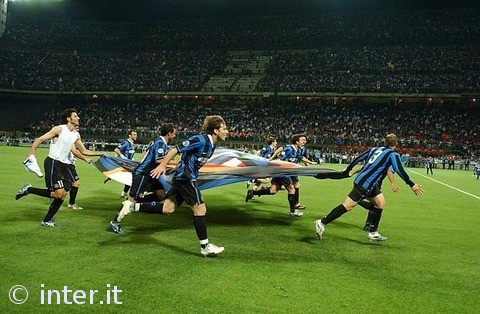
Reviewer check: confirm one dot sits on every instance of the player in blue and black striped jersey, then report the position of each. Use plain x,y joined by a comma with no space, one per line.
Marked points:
146,192
366,185
288,153
265,152
369,206
302,156
195,153
126,150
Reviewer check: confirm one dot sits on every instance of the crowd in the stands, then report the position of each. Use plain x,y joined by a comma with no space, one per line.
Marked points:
418,52
419,126
366,52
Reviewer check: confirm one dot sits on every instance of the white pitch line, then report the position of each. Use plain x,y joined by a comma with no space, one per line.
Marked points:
452,187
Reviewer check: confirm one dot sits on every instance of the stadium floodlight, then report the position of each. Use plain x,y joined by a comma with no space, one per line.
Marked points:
35,1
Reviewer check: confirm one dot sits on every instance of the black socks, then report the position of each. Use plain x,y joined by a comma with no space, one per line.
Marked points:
151,208
375,216
291,202
334,214
54,207
200,227
39,192
262,191
73,195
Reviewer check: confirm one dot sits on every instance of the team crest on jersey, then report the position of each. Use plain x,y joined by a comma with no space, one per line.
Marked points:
202,159
185,143
160,151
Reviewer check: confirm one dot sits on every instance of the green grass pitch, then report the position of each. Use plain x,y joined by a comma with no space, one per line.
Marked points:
272,263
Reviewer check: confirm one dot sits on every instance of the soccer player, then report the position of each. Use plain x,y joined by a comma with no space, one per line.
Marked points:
265,152
74,178
57,178
302,156
126,150
378,160
288,153
146,192
195,153
369,204
72,173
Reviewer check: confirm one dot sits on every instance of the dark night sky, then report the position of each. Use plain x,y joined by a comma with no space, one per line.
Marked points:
155,10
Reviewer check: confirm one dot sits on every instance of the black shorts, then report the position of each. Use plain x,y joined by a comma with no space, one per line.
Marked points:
358,193
56,175
185,191
282,181
294,179
72,173
143,183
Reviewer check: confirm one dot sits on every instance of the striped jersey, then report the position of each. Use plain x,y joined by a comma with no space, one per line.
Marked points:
378,160
302,152
155,152
127,148
267,151
290,154
195,153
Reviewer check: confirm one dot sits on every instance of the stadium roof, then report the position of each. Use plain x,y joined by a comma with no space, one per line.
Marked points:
154,10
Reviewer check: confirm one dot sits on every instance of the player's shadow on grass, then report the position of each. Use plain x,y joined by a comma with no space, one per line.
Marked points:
227,213
361,239
141,238
254,217
33,216
145,229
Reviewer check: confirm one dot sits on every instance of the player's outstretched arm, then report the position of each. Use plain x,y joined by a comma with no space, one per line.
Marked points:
79,155
276,153
417,189
161,168
391,178
49,135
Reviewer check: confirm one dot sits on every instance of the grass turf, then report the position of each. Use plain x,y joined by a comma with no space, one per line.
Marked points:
272,262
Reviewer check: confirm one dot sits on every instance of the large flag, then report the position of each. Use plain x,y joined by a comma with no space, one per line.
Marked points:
226,166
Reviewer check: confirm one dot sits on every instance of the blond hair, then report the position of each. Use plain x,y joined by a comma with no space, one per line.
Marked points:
391,140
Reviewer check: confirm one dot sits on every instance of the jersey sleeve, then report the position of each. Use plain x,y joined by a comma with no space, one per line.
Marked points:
160,150
359,158
263,152
398,168
122,147
193,144
286,153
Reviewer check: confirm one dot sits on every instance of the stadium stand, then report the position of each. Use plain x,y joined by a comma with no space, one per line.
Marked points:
320,57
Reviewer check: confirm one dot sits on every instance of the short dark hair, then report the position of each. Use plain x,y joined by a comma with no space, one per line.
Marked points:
271,140
212,123
130,131
67,113
296,137
167,128
391,140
